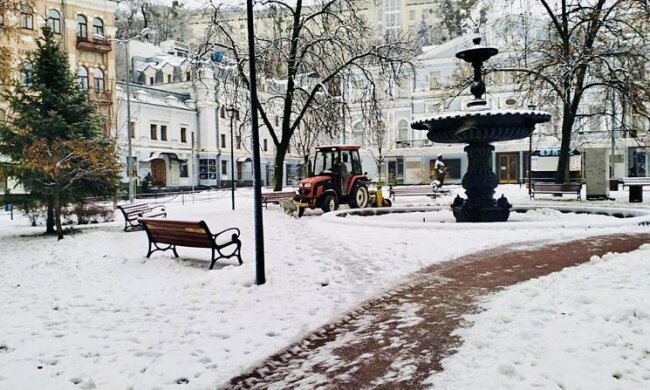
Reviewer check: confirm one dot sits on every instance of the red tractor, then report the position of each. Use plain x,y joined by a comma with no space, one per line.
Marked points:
335,177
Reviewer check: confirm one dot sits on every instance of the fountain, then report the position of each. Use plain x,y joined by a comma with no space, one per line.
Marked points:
478,126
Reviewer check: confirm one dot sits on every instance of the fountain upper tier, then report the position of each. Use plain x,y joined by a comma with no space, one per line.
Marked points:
481,126
480,123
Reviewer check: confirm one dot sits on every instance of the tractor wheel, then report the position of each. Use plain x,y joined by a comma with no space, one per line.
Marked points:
301,211
329,203
359,197
387,203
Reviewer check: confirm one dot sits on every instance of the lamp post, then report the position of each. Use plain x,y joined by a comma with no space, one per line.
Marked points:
260,277
531,107
232,110
127,62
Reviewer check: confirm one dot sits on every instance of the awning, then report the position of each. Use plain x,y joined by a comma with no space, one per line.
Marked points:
153,156
157,155
244,159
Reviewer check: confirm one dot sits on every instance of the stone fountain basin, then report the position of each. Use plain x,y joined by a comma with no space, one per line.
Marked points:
480,125
611,217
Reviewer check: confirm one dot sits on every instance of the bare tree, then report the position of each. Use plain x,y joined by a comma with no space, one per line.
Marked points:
582,52
308,48
167,21
376,135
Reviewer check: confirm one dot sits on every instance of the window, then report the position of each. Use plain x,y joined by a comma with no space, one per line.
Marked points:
434,79
224,167
403,131
98,76
594,118
153,131
132,129
392,17
183,134
151,80
238,142
412,15
182,168
98,26
163,133
2,19
188,76
54,21
3,115
26,17
265,146
82,26
82,77
26,74
223,140
223,112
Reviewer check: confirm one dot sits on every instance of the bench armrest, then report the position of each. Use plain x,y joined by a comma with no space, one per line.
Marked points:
234,235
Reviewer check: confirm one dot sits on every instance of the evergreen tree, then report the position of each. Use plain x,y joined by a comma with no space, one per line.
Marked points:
47,109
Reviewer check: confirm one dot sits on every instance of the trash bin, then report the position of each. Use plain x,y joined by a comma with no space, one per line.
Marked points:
636,194
613,185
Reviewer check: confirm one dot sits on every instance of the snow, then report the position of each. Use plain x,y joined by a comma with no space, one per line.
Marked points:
583,328
92,310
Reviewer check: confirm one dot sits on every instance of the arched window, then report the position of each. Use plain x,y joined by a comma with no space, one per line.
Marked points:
98,76
82,26
98,26
82,77
54,21
26,17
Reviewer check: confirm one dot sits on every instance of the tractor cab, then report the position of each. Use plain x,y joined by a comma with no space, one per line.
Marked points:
335,176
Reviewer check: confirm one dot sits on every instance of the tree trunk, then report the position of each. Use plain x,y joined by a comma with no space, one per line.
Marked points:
379,170
57,216
49,219
562,174
278,168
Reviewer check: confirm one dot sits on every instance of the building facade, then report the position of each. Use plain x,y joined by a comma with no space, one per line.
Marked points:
85,29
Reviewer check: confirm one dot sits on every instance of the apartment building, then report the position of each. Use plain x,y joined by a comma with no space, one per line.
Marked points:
85,29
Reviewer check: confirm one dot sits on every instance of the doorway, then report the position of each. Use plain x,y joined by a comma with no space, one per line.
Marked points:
508,168
158,172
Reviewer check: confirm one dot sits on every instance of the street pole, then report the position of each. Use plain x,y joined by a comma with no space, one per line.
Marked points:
129,163
260,278
232,159
612,151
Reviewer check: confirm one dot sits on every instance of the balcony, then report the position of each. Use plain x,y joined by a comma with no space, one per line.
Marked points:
96,45
419,143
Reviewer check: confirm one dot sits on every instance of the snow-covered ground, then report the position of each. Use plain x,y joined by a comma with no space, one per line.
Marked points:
587,327
92,310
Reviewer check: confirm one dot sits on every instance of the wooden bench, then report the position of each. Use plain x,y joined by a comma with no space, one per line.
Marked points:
635,185
132,212
556,188
171,234
276,197
422,190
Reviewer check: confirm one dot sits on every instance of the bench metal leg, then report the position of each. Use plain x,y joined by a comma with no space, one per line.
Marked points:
157,248
235,253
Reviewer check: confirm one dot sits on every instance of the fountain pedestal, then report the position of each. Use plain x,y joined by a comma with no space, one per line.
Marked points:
479,183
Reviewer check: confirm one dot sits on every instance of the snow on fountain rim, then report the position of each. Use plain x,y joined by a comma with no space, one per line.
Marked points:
480,113
632,216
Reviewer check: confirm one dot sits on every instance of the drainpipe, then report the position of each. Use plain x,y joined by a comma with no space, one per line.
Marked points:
63,27
198,132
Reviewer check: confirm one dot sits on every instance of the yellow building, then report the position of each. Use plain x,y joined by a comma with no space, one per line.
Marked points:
79,24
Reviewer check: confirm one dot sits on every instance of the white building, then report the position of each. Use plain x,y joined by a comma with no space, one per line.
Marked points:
182,134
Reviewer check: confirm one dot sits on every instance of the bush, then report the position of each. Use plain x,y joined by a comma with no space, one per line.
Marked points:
29,206
90,213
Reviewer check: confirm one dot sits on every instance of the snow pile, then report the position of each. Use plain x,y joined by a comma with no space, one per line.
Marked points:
583,328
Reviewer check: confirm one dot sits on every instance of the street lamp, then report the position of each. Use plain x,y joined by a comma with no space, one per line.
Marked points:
232,111
129,162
